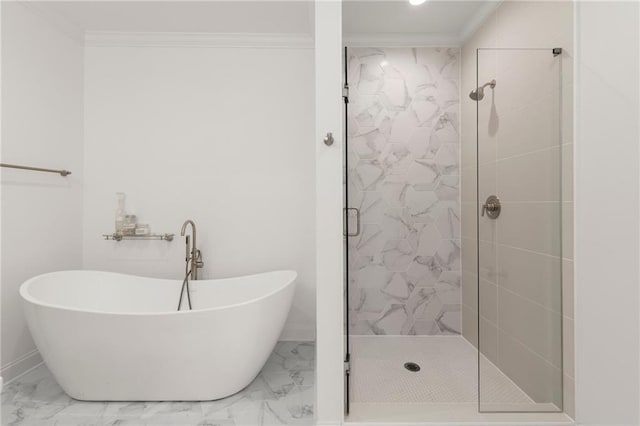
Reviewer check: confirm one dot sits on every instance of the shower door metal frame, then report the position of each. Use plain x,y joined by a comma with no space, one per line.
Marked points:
557,51
347,234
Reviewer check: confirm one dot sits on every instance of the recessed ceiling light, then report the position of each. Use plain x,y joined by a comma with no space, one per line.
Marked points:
384,63
417,2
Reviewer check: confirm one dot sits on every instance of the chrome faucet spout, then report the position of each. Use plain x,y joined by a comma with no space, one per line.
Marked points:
184,226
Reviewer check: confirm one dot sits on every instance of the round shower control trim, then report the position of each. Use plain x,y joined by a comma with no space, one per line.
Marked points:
492,207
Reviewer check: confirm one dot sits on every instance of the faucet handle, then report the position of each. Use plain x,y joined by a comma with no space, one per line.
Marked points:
198,260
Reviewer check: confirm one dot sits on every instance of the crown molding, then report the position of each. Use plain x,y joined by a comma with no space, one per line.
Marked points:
479,19
400,40
176,39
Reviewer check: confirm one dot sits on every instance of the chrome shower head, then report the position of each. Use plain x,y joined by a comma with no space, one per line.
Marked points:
478,93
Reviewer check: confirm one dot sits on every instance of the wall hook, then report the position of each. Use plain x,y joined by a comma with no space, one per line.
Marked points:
328,140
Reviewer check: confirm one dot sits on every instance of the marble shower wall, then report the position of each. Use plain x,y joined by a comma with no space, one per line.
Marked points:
403,176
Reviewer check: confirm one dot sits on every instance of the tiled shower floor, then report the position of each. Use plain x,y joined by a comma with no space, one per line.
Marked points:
283,393
445,390
449,372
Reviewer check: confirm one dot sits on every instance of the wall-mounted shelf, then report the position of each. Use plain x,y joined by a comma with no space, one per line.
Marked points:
119,237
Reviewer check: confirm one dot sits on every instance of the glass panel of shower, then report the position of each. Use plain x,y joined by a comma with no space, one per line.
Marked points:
519,235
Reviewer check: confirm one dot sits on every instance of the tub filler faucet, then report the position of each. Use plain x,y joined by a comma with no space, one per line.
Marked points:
193,262
193,256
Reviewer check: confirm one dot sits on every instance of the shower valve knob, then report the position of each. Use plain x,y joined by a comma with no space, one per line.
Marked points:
492,207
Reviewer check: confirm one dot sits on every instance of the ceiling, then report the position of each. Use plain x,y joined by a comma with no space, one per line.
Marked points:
276,17
444,21
438,20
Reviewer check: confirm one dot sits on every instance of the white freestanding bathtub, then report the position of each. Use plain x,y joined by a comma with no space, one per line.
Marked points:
114,337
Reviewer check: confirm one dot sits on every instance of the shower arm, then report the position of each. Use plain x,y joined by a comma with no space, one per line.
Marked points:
491,83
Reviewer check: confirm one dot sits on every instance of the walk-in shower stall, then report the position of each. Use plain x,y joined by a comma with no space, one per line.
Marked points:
455,196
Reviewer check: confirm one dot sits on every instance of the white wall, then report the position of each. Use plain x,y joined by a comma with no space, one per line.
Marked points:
41,126
331,327
607,249
219,135
1,379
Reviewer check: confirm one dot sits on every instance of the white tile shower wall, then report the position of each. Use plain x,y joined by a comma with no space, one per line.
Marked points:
218,135
524,119
403,146
41,126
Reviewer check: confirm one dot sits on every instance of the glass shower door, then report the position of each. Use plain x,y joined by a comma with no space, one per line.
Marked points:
519,236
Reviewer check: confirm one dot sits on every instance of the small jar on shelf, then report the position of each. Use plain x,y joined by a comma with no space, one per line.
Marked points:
142,229
129,225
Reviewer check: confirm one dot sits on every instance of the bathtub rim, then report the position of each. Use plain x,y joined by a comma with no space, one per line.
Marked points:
292,275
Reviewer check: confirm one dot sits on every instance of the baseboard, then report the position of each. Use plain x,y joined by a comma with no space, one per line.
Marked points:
20,366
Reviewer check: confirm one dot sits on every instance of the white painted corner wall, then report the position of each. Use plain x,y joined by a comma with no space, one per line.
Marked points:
607,159
42,86
329,205
1,376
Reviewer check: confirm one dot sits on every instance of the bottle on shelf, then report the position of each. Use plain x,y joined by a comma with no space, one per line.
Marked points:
120,213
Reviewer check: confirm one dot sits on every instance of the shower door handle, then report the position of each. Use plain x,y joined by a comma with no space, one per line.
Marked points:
346,218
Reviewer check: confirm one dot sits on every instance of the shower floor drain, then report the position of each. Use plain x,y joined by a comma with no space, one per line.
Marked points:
412,366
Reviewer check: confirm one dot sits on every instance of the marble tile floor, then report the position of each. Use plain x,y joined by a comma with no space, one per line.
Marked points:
283,393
